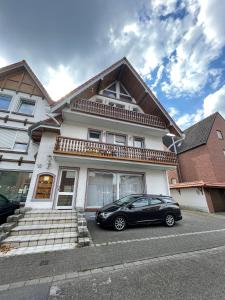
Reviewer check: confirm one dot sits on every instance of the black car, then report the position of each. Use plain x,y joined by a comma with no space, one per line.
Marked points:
7,208
139,209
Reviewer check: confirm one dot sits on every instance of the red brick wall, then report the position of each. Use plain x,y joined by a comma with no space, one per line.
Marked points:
172,174
206,162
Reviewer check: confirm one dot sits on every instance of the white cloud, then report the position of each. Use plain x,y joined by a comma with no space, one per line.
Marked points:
3,62
60,81
189,119
215,102
173,111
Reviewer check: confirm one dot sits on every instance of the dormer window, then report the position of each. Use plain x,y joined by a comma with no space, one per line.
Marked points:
117,91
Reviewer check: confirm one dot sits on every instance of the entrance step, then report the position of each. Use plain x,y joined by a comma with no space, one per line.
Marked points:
39,249
51,219
49,213
41,239
43,228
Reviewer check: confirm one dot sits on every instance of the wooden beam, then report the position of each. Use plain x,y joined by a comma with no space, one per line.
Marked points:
99,86
4,82
20,82
120,73
142,98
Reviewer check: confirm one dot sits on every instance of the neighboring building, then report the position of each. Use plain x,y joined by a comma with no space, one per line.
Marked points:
104,142
201,164
23,102
201,154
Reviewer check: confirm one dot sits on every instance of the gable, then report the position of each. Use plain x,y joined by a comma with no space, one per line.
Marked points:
20,78
121,71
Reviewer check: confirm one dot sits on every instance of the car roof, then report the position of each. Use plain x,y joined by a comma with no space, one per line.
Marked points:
150,195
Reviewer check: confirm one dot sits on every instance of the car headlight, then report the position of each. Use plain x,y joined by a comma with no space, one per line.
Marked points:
106,214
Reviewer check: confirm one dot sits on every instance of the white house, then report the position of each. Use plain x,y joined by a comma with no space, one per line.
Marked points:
105,141
23,102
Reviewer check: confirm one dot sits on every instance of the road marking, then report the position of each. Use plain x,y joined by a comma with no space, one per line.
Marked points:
109,269
159,237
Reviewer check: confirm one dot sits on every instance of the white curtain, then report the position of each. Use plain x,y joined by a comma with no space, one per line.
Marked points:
130,184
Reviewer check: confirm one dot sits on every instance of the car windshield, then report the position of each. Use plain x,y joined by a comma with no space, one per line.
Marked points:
127,199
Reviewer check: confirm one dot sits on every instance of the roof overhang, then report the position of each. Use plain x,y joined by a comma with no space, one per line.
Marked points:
198,184
123,71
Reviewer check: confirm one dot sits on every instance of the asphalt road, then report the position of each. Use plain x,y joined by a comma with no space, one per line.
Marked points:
186,261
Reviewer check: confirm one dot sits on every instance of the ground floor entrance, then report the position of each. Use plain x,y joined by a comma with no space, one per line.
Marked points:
104,187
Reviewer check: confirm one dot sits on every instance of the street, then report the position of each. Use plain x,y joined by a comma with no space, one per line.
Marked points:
151,262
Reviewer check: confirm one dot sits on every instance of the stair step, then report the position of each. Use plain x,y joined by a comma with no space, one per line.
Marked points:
39,249
41,239
43,212
53,219
43,228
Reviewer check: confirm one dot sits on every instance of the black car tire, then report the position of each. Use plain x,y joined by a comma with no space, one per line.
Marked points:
169,220
119,223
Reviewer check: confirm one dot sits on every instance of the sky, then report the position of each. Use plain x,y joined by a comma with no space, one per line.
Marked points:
177,46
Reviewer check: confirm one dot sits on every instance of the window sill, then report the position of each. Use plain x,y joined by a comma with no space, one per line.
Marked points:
22,114
41,200
13,151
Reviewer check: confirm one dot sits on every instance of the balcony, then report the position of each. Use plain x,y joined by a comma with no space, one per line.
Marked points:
107,111
78,147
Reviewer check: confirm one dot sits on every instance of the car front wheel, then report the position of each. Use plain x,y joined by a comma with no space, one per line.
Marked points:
119,223
169,220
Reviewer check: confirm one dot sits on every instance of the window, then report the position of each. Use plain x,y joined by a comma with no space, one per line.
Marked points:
135,109
219,134
14,185
94,135
224,152
116,139
5,102
155,201
26,107
173,180
99,101
139,142
112,104
117,91
140,203
20,147
44,186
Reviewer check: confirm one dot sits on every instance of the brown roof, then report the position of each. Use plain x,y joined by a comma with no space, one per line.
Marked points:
201,183
24,64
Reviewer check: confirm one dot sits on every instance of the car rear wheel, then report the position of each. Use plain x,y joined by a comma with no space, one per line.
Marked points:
169,220
119,223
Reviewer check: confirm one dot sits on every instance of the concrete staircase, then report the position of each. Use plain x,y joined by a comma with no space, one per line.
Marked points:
46,230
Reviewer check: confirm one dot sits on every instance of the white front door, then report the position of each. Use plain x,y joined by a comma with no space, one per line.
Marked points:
66,191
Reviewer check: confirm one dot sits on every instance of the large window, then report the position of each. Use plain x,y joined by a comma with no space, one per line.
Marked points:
44,186
105,187
26,107
117,139
5,102
15,185
117,91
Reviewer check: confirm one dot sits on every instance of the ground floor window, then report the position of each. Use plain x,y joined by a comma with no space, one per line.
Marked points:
14,185
105,187
44,186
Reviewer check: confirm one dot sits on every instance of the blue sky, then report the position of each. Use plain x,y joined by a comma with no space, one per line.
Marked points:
177,46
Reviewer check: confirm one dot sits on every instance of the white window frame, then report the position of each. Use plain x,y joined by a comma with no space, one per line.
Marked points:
10,103
92,139
21,100
219,134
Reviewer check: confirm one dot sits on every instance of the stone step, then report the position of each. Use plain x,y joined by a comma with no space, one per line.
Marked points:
43,228
52,219
38,249
45,213
41,239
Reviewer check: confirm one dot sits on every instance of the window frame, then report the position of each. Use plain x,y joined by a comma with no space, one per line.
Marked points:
156,198
140,138
19,150
94,130
114,138
6,96
219,134
27,101
36,186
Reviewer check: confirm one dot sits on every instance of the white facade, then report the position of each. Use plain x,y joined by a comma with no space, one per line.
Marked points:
97,180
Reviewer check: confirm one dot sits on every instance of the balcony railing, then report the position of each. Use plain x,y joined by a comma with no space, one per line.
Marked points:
107,111
72,146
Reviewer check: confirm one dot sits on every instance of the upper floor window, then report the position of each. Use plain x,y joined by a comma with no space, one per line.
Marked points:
139,142
5,102
219,134
94,135
11,139
26,107
116,139
116,105
117,91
